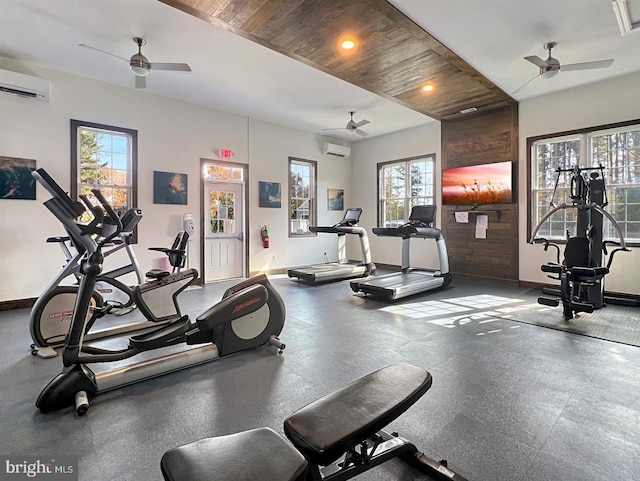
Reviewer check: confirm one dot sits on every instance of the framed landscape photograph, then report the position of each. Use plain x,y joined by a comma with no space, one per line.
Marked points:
169,188
335,199
270,195
16,181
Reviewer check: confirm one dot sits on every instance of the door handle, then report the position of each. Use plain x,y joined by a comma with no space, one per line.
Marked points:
218,237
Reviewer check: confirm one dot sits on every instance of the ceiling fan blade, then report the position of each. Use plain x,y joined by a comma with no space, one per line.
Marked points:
180,67
361,132
84,45
524,85
339,128
141,82
534,59
362,122
587,65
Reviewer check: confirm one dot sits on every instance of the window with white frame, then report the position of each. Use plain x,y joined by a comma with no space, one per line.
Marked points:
104,157
403,184
616,148
302,196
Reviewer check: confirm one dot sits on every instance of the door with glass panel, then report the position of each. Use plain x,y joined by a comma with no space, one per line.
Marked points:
224,237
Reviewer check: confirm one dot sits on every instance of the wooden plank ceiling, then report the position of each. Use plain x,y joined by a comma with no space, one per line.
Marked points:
393,57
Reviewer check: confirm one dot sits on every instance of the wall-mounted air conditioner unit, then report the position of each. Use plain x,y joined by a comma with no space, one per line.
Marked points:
334,149
24,85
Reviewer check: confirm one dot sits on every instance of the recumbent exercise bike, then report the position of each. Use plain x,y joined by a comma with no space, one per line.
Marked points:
50,316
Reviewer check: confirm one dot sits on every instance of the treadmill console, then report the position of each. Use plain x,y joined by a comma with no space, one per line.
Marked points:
351,217
423,215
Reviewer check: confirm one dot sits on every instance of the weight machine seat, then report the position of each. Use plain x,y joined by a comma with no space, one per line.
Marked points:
258,454
327,428
576,262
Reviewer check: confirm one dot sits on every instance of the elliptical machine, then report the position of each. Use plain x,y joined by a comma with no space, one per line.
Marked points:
581,271
250,314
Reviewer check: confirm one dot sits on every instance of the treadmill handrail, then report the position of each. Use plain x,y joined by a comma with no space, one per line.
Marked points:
352,230
323,229
407,230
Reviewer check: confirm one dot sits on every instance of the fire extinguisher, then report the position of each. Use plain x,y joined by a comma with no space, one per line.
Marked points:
264,233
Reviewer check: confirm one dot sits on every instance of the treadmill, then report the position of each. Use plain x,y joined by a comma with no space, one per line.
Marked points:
343,269
409,280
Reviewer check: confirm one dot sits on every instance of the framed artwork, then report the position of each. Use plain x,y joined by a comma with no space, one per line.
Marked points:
335,199
169,188
270,195
16,181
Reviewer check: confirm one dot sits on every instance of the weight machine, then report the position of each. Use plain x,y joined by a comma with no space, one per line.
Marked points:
581,272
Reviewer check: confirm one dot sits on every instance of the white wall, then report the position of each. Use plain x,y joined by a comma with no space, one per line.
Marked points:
401,145
172,136
589,106
270,147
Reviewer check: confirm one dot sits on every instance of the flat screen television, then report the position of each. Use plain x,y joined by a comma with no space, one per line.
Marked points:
478,184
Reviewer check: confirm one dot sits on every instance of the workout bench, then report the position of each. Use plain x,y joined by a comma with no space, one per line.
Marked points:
335,438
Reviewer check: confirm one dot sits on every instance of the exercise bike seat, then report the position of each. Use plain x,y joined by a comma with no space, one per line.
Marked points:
327,428
58,239
157,274
175,253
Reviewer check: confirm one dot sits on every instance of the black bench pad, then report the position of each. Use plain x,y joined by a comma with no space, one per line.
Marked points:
258,454
325,429
589,272
576,272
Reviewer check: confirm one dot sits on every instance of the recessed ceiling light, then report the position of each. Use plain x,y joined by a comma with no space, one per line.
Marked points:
469,110
348,44
428,87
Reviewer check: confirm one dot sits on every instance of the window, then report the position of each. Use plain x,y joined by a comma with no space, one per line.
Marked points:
223,201
403,184
616,148
302,196
104,157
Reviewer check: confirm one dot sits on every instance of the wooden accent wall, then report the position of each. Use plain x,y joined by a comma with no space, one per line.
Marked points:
481,138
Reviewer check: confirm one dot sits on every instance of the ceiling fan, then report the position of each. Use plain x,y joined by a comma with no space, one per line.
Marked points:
353,127
551,66
140,65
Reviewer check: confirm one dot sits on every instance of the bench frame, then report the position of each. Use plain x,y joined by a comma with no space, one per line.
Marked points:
374,452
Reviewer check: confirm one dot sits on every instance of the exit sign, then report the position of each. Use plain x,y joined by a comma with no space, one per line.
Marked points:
225,153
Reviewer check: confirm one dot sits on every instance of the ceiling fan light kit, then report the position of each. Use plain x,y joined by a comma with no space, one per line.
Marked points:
139,68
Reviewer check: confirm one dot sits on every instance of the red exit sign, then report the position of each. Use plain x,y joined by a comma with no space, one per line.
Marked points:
225,153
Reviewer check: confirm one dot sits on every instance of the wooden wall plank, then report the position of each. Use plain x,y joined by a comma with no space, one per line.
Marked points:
482,138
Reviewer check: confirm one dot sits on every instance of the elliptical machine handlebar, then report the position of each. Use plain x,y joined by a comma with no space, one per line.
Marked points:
74,209
112,219
66,211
